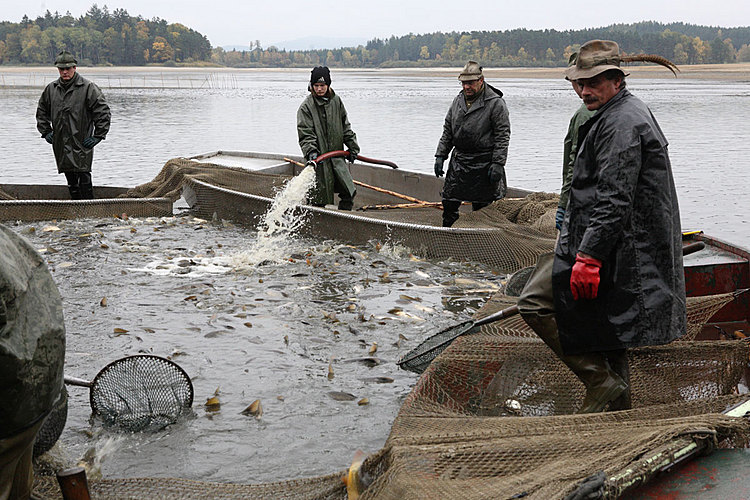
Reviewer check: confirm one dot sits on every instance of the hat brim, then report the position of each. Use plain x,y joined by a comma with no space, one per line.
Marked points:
469,78
575,73
65,65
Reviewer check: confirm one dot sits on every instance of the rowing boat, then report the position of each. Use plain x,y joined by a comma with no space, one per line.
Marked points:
380,213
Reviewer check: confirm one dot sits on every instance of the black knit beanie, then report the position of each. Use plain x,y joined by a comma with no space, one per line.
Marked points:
320,74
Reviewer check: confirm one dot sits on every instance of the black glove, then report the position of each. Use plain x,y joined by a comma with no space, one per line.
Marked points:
90,142
559,216
352,157
50,137
312,156
496,173
439,166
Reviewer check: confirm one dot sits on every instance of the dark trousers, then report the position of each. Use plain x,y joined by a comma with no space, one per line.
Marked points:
80,185
450,211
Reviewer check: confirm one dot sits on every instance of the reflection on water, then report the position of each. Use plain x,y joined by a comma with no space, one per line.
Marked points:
398,118
267,332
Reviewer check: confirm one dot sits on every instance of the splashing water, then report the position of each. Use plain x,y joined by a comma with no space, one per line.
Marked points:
95,456
279,223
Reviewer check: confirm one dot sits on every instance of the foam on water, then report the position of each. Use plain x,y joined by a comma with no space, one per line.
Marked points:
273,241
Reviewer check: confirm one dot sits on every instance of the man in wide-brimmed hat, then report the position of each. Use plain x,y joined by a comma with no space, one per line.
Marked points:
73,116
323,126
476,134
617,279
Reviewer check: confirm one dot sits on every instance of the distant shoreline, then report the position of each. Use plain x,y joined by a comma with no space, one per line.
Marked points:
728,72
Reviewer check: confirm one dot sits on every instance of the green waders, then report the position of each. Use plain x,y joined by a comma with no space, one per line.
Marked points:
605,375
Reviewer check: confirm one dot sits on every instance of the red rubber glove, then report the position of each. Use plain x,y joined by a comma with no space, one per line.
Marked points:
584,280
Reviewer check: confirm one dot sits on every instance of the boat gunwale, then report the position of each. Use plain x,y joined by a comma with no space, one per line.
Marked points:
363,218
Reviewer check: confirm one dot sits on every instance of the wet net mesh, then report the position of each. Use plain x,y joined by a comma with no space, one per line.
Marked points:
46,203
492,415
140,393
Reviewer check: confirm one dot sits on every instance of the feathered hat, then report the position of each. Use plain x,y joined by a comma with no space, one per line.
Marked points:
598,56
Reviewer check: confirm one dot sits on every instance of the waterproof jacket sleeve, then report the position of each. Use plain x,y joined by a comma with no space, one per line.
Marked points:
350,138
43,114
100,113
308,140
446,140
500,132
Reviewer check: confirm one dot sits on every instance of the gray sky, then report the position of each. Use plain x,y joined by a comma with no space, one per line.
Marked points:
237,22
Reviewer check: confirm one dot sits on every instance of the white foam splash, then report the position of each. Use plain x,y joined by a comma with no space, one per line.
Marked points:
273,242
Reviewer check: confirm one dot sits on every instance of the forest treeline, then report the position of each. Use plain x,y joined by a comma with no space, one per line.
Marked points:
101,37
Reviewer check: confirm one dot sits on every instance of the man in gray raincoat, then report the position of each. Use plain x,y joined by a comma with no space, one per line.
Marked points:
323,126
32,354
73,116
617,279
477,131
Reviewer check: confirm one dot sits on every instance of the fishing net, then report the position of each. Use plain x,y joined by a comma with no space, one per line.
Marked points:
493,415
36,203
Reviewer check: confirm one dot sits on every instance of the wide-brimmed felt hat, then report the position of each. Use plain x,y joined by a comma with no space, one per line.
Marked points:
593,58
472,71
65,60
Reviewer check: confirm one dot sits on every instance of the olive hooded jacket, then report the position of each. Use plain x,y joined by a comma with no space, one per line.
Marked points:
323,126
73,112
32,336
623,211
479,136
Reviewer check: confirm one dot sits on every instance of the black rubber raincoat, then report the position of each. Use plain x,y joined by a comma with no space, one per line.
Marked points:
623,211
478,136
73,113
32,336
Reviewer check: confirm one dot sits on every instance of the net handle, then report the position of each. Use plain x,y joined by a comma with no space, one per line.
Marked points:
77,381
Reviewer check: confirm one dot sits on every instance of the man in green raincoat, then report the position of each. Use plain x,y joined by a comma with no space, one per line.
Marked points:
323,126
32,354
73,116
570,149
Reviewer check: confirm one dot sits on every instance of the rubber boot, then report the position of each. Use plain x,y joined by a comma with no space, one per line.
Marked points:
87,192
346,204
75,192
603,385
618,361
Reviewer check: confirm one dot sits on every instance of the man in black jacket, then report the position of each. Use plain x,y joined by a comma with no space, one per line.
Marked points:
617,279
477,131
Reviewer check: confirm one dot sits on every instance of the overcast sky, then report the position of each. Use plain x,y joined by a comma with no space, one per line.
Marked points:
237,22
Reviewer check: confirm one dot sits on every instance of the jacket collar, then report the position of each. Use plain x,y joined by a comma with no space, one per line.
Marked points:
488,93
76,81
